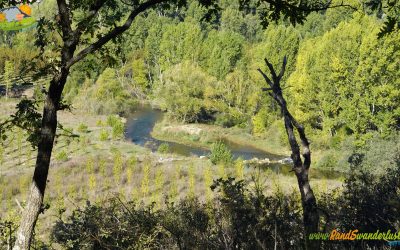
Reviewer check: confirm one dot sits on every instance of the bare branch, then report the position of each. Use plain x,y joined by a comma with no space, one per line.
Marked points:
271,69
283,68
313,9
266,89
266,78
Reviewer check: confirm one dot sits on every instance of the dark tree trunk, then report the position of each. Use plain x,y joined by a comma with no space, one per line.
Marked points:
300,166
47,134
45,147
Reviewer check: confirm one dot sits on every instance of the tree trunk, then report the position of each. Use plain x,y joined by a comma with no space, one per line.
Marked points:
300,166
71,39
48,131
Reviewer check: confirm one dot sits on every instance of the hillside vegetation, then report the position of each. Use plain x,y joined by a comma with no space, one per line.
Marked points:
342,82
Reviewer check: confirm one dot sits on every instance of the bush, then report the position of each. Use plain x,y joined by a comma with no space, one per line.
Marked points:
112,120
118,130
108,227
118,127
82,128
238,217
367,203
103,136
62,156
220,153
99,123
163,148
380,153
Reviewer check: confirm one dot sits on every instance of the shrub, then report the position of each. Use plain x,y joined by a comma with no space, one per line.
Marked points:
380,153
108,227
103,136
117,126
111,120
163,148
238,217
367,203
239,168
99,123
62,156
220,153
82,128
328,161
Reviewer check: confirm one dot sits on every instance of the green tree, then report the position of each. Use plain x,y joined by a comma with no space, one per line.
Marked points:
152,53
84,27
183,93
180,42
221,52
232,19
220,154
345,79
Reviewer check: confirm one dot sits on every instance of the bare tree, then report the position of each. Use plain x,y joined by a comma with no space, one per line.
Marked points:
301,166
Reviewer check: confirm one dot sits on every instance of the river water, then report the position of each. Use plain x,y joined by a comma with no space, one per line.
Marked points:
141,123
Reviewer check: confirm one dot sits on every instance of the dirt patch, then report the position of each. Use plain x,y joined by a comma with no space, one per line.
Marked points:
190,129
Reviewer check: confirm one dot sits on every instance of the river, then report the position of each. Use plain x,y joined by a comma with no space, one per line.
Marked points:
141,123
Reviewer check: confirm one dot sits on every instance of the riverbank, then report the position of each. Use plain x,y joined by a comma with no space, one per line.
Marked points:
204,135
273,142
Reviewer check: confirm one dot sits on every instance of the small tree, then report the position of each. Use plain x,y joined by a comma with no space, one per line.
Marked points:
220,154
8,76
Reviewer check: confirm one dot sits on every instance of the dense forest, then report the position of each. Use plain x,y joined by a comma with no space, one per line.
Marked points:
342,83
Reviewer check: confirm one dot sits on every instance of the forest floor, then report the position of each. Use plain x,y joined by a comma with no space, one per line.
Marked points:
93,168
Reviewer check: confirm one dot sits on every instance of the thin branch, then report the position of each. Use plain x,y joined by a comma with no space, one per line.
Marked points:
19,205
271,69
114,32
310,9
283,68
266,78
93,10
266,89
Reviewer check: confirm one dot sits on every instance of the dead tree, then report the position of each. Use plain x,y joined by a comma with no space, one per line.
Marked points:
301,166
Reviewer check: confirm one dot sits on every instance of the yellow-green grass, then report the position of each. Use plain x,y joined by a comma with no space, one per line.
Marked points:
146,179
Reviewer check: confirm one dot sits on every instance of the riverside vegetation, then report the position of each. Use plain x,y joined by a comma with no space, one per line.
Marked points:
342,82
